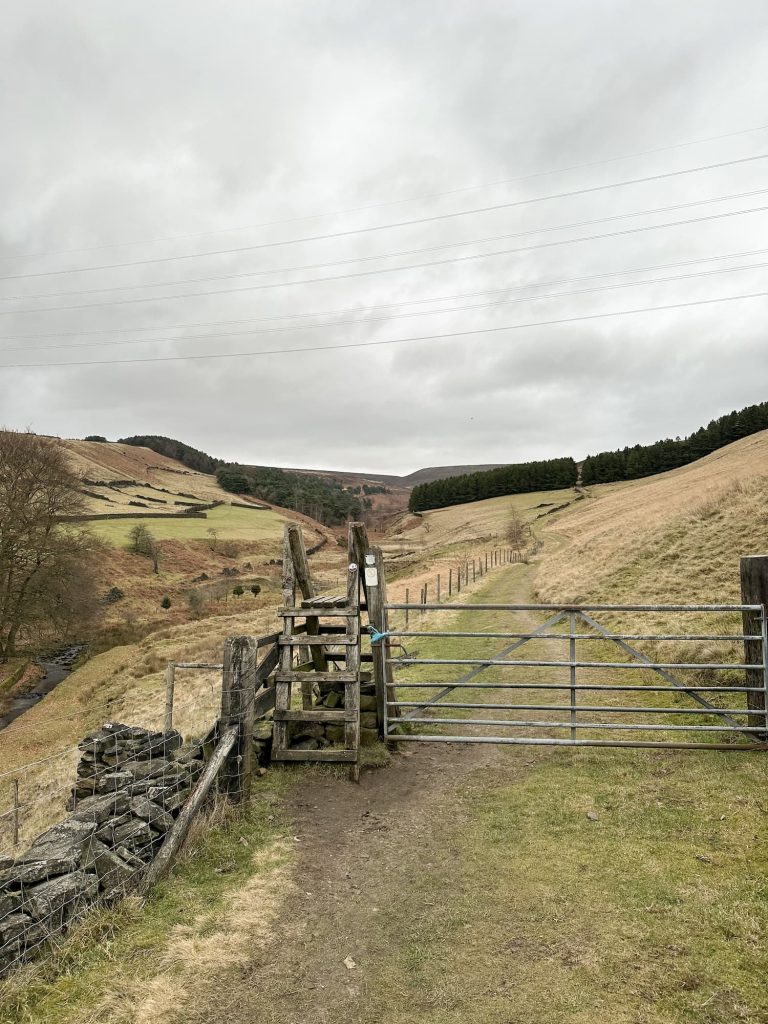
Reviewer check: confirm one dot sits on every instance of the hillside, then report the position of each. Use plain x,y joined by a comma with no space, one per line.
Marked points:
672,537
202,558
155,481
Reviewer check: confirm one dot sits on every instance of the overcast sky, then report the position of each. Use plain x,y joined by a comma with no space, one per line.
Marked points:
137,132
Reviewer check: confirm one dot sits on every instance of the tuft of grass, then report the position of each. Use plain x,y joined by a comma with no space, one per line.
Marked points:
118,948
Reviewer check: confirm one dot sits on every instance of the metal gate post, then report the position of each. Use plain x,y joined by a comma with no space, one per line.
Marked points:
754,591
572,656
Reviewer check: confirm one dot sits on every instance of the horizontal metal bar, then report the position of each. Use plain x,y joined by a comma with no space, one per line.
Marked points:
546,742
577,607
579,707
738,637
519,663
406,684
637,727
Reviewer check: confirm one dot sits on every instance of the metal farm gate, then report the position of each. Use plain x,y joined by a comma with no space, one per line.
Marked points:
577,680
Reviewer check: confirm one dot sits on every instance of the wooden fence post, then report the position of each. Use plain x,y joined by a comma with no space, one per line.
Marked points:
450,582
377,616
170,683
438,588
754,590
16,809
237,696
407,601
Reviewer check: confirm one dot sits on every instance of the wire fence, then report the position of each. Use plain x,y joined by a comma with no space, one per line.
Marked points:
444,586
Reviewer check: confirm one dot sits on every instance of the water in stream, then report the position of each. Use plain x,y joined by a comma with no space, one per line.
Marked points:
56,669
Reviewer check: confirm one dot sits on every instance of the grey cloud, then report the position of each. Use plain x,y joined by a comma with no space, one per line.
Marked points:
135,121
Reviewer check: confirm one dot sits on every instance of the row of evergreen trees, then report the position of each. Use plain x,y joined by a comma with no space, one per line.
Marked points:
549,475
322,499
645,460
188,456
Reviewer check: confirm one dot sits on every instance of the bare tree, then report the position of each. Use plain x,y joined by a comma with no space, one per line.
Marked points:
47,568
143,543
213,537
518,532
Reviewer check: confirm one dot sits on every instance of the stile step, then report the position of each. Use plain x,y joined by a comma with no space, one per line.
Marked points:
314,755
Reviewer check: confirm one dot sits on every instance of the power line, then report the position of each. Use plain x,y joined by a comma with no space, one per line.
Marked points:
388,341
390,255
389,270
395,316
386,227
378,306
391,202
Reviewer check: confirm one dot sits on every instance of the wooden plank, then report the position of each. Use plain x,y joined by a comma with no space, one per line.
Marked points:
335,640
335,612
754,590
324,754
283,686
264,702
303,577
352,687
318,715
176,835
328,677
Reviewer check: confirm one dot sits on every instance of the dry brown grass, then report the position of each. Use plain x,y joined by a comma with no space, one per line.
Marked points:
672,538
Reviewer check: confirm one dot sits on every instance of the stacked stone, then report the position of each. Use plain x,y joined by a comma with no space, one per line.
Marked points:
315,735
130,785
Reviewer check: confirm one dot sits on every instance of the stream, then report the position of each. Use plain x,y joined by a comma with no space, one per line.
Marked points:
56,669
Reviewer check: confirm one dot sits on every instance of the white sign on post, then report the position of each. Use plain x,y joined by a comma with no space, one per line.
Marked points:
371,576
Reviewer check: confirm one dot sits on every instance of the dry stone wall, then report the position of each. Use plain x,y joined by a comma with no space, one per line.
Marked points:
131,784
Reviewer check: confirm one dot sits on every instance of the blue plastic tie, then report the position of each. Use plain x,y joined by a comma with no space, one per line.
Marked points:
376,636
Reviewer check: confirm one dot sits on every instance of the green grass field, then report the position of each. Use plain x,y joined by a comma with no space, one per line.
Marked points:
231,524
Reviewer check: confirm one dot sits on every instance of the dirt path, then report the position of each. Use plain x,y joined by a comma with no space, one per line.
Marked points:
354,842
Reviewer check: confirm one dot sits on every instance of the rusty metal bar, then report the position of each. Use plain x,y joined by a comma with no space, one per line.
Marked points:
613,710
636,726
589,607
548,742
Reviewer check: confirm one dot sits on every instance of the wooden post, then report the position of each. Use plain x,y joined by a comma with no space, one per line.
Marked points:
16,808
304,579
458,580
486,561
754,591
426,590
178,831
377,616
238,692
450,582
438,588
473,570
407,601
170,682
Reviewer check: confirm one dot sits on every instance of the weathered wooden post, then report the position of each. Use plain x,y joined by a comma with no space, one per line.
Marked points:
438,588
170,683
426,591
754,591
376,592
473,570
16,809
407,601
458,580
450,582
303,577
237,695
486,561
